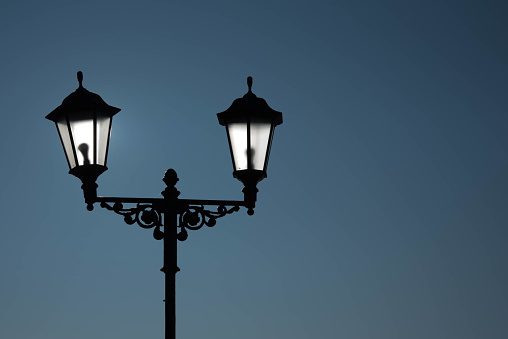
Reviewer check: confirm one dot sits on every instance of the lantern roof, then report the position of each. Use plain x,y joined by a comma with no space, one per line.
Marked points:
82,100
249,105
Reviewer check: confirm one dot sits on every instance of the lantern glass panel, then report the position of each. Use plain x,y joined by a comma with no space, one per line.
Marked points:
82,129
65,137
238,142
103,128
259,141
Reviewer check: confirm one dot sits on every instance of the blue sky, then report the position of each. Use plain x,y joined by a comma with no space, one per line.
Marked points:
384,211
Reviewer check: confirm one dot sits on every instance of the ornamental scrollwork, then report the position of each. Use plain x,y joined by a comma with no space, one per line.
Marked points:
145,215
195,217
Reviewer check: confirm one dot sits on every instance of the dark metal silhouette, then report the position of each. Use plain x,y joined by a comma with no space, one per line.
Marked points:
248,110
171,213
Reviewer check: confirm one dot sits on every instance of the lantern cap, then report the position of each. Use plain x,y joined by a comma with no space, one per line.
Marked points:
81,100
249,106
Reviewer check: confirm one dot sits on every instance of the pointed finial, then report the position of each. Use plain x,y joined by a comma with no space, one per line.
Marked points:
249,83
80,79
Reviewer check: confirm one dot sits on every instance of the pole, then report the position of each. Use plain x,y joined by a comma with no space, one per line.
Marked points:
170,269
170,251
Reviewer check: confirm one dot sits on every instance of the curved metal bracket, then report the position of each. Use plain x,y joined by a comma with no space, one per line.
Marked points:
195,217
145,215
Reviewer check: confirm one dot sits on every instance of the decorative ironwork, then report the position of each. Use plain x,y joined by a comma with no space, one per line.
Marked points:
145,215
195,217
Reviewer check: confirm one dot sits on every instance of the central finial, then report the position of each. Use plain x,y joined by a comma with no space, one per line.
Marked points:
80,79
249,83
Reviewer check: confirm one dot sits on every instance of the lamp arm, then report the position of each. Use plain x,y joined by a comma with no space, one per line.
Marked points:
187,202
191,213
194,217
130,200
147,213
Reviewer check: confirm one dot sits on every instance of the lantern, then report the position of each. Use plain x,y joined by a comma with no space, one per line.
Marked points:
83,121
250,125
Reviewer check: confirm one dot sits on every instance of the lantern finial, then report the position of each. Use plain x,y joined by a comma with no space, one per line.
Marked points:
249,83
80,79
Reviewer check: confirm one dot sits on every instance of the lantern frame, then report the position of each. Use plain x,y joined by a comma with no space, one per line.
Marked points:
84,115
246,112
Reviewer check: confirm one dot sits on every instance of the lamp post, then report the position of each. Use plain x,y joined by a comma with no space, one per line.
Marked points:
83,121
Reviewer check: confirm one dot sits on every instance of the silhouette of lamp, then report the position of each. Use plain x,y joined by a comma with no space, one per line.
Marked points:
83,121
250,124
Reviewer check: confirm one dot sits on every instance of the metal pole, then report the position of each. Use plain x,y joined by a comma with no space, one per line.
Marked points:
170,269
170,250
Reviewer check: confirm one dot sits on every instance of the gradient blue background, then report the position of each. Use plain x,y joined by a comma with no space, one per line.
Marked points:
384,214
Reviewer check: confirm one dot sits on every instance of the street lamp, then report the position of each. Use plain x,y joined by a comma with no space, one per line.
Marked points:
83,121
249,124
